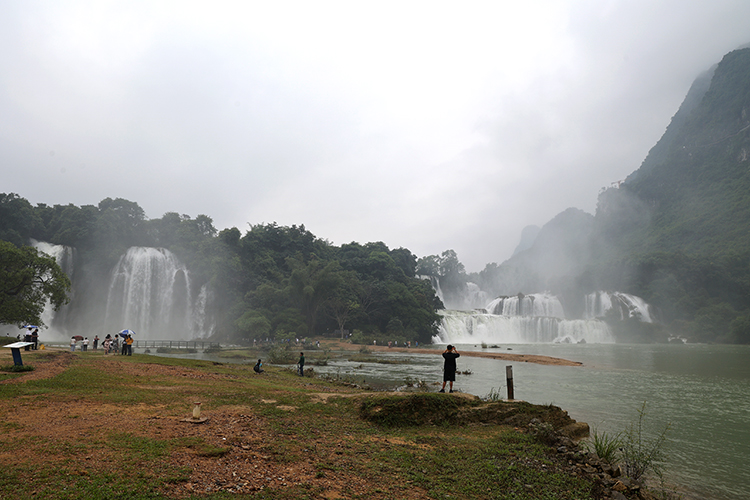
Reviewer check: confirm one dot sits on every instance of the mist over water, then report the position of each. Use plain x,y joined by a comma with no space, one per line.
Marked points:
533,318
459,327
149,291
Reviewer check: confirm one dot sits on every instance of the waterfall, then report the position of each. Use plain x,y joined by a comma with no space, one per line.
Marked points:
460,327
535,304
63,255
150,293
468,298
625,306
202,326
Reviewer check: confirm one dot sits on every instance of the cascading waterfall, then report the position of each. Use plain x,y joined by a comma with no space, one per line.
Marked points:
203,327
538,317
464,327
471,297
150,293
625,306
535,304
63,255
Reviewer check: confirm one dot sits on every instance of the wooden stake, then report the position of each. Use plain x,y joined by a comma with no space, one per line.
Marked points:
509,380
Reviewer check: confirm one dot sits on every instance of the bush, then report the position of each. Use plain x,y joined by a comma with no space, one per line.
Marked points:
279,355
544,432
606,446
494,396
640,454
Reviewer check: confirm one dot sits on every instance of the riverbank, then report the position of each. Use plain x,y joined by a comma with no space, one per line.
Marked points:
505,356
85,424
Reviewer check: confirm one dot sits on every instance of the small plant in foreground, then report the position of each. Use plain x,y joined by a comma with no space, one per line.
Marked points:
542,431
494,396
606,445
640,454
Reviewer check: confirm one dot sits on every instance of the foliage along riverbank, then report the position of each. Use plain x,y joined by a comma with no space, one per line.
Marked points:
85,425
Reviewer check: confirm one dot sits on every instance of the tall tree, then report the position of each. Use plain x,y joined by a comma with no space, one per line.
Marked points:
312,284
27,280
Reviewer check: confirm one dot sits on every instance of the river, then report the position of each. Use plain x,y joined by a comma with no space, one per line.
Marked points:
701,391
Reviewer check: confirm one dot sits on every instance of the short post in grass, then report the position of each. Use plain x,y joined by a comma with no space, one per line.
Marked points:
509,380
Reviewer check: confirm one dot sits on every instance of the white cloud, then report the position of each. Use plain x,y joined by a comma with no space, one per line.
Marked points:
428,125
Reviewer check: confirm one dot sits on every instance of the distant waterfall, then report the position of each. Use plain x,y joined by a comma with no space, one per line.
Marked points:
150,293
470,297
63,255
461,327
535,304
625,306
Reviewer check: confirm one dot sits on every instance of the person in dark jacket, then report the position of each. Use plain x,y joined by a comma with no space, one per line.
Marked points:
449,368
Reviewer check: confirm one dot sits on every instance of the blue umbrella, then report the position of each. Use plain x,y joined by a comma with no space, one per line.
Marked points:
124,334
30,326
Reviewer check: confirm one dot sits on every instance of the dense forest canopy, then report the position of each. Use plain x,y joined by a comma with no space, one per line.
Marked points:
271,282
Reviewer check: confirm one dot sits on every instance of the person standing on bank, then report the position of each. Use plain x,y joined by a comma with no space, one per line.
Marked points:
449,368
129,345
301,364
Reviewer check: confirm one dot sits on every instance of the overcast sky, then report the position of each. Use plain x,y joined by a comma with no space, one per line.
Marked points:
426,125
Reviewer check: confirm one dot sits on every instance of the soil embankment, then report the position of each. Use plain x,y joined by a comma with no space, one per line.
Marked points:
505,356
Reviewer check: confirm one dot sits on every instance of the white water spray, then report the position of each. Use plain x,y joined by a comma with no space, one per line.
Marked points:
150,293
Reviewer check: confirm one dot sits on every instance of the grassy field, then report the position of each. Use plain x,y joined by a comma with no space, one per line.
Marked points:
85,425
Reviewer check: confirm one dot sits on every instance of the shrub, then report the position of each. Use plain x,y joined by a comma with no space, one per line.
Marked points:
494,396
606,445
640,454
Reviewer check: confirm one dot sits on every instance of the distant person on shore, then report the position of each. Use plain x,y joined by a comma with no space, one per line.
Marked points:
106,344
449,368
85,344
115,344
301,364
96,342
129,345
35,338
258,368
72,344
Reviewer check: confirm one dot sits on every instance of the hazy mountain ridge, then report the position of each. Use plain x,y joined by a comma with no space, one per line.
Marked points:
677,231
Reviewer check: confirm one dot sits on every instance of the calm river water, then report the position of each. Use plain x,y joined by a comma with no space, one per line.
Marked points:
701,391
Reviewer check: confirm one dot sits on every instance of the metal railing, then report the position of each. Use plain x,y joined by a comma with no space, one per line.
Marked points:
175,344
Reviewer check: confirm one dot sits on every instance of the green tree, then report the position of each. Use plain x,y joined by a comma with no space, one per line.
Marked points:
312,285
27,280
18,220
344,300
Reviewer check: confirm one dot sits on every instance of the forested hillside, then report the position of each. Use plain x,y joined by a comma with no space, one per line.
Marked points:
270,282
680,225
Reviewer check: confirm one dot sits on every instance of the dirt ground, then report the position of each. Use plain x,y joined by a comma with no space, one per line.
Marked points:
242,467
